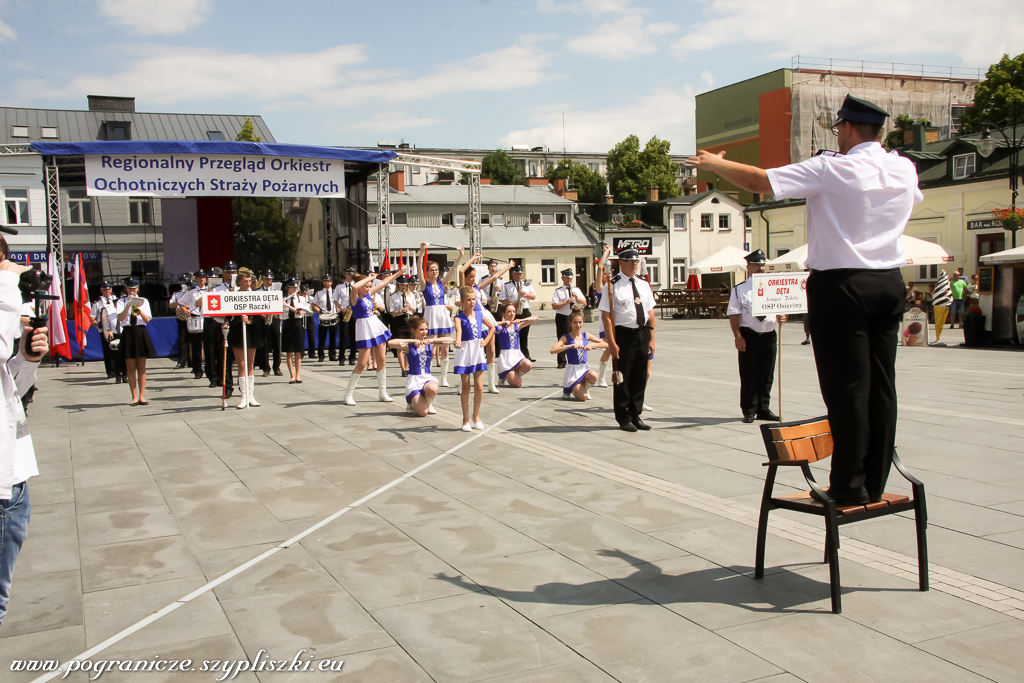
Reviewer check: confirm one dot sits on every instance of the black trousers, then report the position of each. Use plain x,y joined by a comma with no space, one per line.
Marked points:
329,333
182,342
195,347
854,318
757,371
310,338
347,338
120,366
628,396
213,347
108,355
561,328
273,346
524,334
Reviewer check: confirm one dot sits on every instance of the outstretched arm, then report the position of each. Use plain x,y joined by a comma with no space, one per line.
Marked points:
494,277
744,176
383,283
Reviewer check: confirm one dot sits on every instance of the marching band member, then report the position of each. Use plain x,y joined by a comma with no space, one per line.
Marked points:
495,284
292,331
136,345
403,307
175,307
308,323
467,276
512,364
343,297
371,336
102,309
255,336
192,302
436,309
519,293
218,363
578,376
273,334
564,300
470,359
421,386
324,304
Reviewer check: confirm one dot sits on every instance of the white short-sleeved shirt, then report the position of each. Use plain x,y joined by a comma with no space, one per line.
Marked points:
739,304
122,303
625,305
857,206
343,294
510,292
497,286
564,293
325,302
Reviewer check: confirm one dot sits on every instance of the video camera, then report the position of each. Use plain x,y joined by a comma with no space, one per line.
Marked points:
34,285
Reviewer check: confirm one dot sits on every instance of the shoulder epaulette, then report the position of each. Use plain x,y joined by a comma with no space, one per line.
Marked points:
616,278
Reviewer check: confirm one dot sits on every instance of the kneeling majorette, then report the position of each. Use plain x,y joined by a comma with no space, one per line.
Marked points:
371,336
420,385
578,376
472,332
511,363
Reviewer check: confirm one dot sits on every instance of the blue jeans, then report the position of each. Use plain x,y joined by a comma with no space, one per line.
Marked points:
14,515
957,309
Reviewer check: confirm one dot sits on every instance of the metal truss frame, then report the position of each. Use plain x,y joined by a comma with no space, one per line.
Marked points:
383,215
328,220
55,237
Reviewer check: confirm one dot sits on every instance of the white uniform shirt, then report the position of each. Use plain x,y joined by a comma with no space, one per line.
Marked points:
739,304
510,292
122,303
176,298
193,300
396,302
325,302
17,375
857,206
343,295
102,309
497,286
625,306
564,293
222,287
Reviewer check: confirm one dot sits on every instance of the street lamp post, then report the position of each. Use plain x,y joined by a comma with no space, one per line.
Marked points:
987,144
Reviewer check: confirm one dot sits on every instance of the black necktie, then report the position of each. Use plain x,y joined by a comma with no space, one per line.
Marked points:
640,320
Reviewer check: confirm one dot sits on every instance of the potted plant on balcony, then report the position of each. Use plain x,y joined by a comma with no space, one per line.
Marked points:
1012,219
974,327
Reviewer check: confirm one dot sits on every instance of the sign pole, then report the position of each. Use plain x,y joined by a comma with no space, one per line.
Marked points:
779,344
245,364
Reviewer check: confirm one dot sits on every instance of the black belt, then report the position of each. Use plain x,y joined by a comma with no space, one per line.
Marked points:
753,331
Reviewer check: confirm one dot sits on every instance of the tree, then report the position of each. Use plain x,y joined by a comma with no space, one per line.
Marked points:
248,133
500,168
999,98
589,184
903,123
631,171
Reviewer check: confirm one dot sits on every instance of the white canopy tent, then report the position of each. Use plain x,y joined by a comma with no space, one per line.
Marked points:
1009,256
919,253
728,260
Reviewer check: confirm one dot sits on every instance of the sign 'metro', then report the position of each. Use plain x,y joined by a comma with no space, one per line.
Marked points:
641,244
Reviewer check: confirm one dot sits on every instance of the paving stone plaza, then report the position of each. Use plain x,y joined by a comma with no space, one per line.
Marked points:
550,548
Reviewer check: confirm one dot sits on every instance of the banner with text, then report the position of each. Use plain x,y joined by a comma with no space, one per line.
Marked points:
779,294
213,175
242,303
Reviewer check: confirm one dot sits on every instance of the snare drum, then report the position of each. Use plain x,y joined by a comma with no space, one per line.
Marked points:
328,319
195,324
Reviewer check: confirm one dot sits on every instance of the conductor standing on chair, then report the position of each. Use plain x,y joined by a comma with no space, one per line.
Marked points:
756,341
857,206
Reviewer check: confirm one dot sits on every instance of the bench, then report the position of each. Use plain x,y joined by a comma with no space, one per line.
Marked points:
692,303
798,444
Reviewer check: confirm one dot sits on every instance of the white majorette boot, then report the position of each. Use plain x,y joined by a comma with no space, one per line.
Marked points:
243,388
382,387
492,377
252,392
409,410
353,379
444,372
430,406
602,380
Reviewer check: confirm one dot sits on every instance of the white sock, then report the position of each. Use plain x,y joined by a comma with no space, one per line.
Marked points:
353,379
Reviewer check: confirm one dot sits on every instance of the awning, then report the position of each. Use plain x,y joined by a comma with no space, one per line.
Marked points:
1009,256
919,253
211,147
728,260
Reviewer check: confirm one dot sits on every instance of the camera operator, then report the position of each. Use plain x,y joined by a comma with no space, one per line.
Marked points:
17,457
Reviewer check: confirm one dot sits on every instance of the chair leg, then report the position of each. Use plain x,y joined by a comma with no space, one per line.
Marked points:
832,550
762,536
921,521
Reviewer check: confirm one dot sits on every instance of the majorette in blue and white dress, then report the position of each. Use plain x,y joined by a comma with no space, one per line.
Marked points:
509,355
600,318
370,331
470,357
576,368
435,312
419,370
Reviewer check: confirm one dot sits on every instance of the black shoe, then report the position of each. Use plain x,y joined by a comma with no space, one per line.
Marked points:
110,375
768,416
805,342
843,502
561,366
627,426
532,360
748,418
278,373
229,393
405,373
117,380
320,359
351,361
332,358
641,425
213,384
179,366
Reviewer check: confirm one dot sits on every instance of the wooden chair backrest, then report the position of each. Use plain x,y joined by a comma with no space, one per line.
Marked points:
811,442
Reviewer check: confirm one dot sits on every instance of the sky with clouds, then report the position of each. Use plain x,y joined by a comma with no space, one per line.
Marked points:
466,73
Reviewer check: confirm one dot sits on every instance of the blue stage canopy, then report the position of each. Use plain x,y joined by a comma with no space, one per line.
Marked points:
211,147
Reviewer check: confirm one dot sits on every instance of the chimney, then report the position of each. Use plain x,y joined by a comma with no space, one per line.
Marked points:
536,182
559,184
609,199
108,103
397,181
652,193
485,181
917,137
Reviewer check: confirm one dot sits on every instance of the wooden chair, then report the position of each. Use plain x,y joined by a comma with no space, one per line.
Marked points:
798,444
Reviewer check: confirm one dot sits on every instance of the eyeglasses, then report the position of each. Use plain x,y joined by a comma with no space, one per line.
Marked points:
835,128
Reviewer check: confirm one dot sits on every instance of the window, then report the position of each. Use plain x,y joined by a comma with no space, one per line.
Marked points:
415,170
16,205
138,211
399,218
679,221
955,112
533,170
929,272
534,219
447,219
547,271
485,219
747,222
460,219
547,219
118,130
705,221
678,271
781,252
310,233
144,268
963,166
79,208
19,131
654,271
214,135
48,133
723,221
498,219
